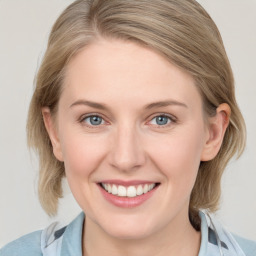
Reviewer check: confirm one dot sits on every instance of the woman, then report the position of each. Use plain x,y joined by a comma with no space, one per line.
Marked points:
134,104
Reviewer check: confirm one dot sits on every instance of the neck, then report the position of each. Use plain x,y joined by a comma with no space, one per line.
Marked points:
175,239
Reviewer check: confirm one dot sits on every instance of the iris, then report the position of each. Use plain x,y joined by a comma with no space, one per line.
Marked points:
162,120
95,120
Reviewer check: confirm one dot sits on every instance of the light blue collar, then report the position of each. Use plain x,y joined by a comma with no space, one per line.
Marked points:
67,241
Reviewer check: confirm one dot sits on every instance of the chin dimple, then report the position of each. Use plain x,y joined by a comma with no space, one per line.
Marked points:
130,191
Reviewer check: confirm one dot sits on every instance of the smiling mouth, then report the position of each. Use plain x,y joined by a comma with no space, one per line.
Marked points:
129,191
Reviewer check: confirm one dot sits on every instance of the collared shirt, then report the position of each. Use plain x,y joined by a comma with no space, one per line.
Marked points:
67,241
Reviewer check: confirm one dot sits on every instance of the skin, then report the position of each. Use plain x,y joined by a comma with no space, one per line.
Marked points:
130,145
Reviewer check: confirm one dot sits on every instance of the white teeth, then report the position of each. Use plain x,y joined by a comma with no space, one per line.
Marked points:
109,188
130,191
151,187
145,189
139,190
114,190
121,191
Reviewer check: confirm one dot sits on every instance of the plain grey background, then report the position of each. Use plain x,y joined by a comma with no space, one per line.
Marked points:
24,29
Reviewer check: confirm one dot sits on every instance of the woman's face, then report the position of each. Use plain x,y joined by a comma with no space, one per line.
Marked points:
129,120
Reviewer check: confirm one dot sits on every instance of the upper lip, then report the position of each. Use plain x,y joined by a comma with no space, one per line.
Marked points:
128,183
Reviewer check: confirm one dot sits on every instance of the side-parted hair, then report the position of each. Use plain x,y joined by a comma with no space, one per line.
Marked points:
179,30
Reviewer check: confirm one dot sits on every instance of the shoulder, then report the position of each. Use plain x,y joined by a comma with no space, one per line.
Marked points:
29,244
50,241
248,246
216,238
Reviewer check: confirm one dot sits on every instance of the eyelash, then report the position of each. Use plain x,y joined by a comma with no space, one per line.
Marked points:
83,118
172,120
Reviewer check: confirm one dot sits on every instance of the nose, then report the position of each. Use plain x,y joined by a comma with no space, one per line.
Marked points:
127,152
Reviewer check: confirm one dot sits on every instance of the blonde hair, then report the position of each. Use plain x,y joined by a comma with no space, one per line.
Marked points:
179,30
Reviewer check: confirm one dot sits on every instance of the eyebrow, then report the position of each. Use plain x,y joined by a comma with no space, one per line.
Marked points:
147,107
90,104
165,104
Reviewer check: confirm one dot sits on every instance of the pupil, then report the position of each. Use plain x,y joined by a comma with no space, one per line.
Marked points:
161,120
95,120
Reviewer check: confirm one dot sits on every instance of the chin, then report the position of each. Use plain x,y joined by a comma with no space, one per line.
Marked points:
129,234
129,230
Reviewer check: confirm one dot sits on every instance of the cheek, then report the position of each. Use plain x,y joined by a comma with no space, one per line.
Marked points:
178,157
82,154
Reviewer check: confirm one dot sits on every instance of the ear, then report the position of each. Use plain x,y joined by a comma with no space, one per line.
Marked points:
216,129
52,132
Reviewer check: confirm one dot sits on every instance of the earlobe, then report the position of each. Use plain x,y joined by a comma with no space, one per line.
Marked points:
52,132
217,127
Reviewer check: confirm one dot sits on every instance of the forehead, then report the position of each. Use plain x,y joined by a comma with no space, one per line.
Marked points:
116,70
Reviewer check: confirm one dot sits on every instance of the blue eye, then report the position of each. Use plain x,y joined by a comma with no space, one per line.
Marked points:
93,120
161,120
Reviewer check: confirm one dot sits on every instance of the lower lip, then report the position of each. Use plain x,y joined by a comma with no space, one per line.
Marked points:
127,202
